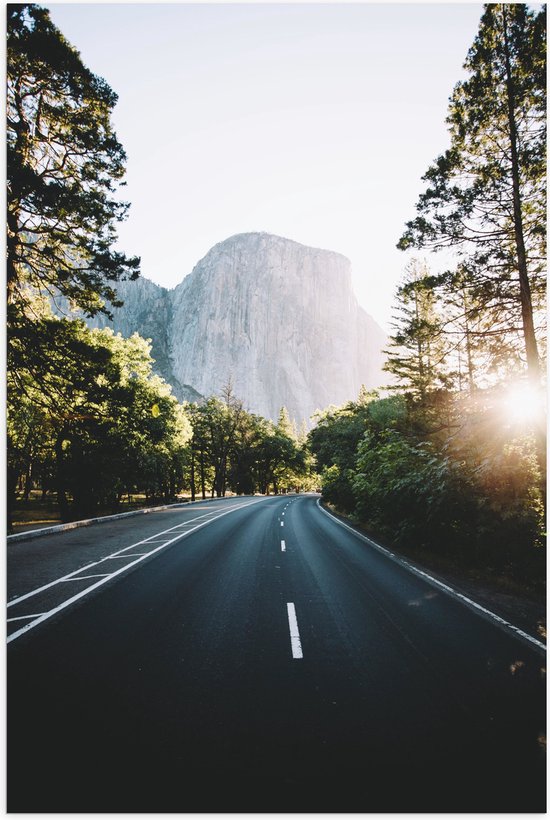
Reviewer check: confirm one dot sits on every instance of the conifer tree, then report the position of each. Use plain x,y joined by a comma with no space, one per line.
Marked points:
417,349
486,195
285,425
64,165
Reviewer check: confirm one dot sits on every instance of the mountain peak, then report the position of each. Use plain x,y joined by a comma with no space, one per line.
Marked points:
263,238
277,317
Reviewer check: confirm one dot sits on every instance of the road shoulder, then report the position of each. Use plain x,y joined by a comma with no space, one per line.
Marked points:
525,611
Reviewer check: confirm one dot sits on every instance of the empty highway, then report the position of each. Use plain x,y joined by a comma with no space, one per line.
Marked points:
254,655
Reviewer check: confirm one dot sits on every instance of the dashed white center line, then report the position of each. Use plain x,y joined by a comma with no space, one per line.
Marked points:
283,546
294,633
282,523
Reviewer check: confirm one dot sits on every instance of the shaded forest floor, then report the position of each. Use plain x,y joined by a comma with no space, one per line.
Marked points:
522,604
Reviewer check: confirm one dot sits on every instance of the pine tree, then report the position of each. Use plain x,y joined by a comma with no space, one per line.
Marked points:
285,425
486,196
417,348
64,165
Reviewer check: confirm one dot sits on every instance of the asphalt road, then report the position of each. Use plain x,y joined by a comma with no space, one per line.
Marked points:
270,661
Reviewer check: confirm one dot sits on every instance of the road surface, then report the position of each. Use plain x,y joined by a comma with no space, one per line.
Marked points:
263,658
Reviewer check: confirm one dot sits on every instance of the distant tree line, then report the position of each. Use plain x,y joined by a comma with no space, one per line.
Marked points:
231,447
89,423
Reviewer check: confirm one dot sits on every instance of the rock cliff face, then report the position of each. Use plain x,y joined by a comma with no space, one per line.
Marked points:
278,318
148,311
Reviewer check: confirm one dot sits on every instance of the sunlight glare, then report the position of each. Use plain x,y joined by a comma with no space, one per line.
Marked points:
522,404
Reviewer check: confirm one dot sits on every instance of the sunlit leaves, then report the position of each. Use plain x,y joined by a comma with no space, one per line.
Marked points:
102,417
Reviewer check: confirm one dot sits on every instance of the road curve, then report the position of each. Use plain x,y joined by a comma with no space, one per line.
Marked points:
272,661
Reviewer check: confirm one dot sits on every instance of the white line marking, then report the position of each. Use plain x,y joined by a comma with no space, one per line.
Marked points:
282,523
84,577
124,549
24,617
283,546
294,633
107,578
434,582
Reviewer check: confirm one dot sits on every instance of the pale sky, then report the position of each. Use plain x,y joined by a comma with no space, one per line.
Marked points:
310,121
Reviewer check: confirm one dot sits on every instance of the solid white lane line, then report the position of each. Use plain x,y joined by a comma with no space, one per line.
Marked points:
24,617
294,633
283,546
46,615
434,582
124,549
84,577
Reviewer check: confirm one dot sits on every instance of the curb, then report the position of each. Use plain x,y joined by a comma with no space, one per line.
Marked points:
88,522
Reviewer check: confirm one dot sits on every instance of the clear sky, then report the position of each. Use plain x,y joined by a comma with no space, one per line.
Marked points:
311,121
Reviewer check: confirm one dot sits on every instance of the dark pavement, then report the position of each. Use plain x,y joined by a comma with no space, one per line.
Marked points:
173,688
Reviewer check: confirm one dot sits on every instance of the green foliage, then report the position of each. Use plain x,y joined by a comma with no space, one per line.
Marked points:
86,407
417,350
412,493
388,412
233,448
86,415
439,468
486,196
511,513
64,164
450,478
68,389
333,442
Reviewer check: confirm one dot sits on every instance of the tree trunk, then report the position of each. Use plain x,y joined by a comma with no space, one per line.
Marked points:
203,485
11,495
60,478
28,482
531,350
192,473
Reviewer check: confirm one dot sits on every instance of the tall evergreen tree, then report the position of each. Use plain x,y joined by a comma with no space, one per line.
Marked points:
417,349
486,195
285,425
64,165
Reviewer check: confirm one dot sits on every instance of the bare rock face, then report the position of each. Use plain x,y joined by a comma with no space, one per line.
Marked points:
277,318
147,310
280,319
